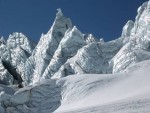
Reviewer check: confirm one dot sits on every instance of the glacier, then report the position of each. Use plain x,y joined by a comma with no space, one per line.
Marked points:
43,52
68,71
101,93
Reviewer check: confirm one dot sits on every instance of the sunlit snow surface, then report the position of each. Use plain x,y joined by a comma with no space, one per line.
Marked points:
93,93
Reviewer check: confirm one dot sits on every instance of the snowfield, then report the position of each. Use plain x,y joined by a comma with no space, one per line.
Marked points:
87,93
128,92
139,106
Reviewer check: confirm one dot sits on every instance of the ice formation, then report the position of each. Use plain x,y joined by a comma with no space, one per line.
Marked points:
103,67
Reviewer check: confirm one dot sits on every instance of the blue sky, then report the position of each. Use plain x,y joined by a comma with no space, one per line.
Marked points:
102,18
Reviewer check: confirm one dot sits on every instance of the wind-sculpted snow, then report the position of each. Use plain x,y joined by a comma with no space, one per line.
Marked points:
43,53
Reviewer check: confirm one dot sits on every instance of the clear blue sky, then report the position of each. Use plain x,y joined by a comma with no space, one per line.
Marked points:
102,18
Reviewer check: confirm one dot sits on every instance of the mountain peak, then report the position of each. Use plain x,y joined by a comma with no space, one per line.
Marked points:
75,29
59,13
2,40
126,32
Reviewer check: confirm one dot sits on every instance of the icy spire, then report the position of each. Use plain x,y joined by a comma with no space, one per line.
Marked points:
75,32
75,29
141,9
68,47
101,40
59,13
74,35
89,38
2,40
127,28
48,45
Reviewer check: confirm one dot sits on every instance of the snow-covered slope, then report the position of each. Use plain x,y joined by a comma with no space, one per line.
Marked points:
85,93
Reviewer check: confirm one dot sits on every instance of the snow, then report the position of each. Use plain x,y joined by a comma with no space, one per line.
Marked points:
89,38
138,106
43,53
72,72
90,93
16,50
71,42
92,58
80,91
64,50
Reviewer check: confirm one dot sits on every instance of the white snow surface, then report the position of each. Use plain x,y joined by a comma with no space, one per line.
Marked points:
86,93
99,90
